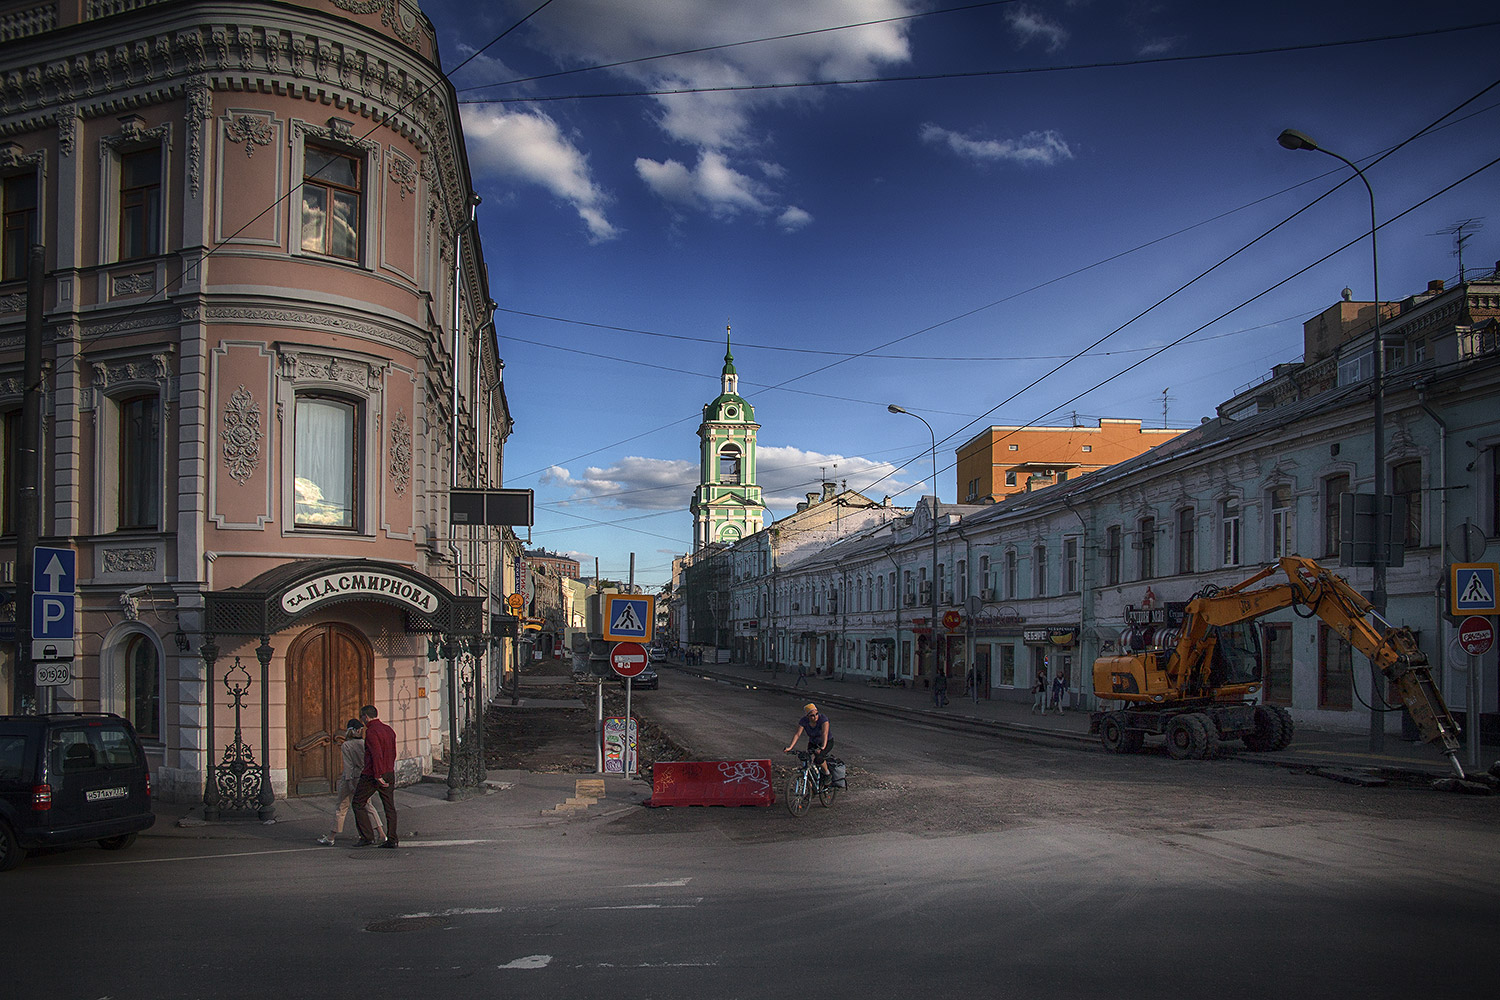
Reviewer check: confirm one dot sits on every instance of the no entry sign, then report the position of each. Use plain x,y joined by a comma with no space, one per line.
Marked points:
628,658
1476,635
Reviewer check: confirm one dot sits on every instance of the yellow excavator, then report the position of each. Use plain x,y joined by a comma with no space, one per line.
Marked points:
1190,672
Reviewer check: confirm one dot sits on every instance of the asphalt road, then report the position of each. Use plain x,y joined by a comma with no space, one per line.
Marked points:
956,864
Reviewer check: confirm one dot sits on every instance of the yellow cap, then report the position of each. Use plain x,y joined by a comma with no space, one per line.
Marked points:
809,707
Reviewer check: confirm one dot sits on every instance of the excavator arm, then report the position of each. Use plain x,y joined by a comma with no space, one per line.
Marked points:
1392,649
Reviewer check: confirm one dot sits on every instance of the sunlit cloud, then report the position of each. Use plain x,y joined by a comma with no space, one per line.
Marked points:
1033,148
1032,25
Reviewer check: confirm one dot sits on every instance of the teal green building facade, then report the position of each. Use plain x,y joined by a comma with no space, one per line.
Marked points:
727,503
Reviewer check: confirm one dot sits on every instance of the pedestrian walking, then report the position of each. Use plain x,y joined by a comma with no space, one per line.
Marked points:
353,754
940,687
1039,691
1059,685
801,676
971,684
978,680
378,775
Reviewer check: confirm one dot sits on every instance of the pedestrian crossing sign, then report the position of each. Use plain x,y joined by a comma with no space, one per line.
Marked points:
629,617
1471,589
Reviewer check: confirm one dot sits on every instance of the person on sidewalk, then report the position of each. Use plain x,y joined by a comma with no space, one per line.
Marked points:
353,753
378,775
1058,687
940,687
801,676
1039,692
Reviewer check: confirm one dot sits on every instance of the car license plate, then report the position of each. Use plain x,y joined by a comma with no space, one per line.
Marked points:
102,794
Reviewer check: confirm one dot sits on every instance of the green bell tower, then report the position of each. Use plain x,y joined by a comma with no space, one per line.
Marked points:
727,503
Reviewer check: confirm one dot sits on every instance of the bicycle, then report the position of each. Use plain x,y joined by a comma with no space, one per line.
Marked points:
806,782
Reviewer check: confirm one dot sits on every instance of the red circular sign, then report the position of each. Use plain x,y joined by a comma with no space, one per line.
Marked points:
951,620
1475,635
628,658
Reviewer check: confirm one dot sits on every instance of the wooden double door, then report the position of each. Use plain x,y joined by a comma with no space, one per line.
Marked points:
330,674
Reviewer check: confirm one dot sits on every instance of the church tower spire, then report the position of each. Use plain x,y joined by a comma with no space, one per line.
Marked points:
727,503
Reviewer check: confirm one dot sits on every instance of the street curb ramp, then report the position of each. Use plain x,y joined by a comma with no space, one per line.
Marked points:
711,783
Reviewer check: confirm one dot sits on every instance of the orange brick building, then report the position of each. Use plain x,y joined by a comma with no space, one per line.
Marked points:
1001,461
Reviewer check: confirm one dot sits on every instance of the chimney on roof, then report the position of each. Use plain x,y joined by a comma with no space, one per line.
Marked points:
828,490
1435,286
1348,295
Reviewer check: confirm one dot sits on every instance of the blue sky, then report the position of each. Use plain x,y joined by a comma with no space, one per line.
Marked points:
1019,181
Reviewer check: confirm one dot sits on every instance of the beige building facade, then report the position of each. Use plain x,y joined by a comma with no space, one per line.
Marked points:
267,356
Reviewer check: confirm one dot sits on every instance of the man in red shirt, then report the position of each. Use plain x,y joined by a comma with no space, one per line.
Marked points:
379,775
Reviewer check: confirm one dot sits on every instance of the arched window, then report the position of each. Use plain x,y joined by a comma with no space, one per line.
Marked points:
143,687
729,464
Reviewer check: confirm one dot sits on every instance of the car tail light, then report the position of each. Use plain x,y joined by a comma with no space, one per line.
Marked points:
41,798
148,784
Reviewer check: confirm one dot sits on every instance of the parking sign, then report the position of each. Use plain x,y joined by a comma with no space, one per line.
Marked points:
54,585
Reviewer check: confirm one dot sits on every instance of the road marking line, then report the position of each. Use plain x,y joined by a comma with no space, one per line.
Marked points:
458,911
529,962
675,883
203,857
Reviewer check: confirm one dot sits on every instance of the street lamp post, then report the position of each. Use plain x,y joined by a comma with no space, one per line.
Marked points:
1292,139
933,623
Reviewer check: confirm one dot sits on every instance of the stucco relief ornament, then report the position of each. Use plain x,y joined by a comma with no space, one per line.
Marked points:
401,451
249,130
242,435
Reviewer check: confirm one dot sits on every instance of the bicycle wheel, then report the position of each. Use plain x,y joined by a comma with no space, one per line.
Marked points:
798,796
826,794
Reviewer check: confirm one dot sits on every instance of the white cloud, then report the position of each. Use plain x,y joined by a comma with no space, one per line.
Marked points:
1032,25
787,474
1157,47
631,483
529,146
793,219
713,186
1033,148
729,125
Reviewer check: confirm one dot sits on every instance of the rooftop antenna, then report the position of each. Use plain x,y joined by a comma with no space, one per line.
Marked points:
1165,399
1461,232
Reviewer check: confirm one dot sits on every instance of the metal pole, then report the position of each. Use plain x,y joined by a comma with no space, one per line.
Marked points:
1292,139
933,623
28,495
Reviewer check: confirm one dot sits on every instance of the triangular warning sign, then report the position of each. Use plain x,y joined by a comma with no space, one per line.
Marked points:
1474,594
627,621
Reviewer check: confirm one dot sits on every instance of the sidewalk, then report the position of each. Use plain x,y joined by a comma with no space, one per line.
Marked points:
1311,748
510,800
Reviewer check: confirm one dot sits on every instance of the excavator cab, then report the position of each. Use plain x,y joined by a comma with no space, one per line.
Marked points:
1237,655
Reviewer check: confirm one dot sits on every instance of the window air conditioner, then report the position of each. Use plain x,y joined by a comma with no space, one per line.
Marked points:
926,592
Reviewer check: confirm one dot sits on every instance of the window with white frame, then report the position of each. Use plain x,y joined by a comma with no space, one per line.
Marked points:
961,582
143,687
325,463
140,203
1071,576
1011,581
1229,525
1186,541
1406,482
1146,549
1334,488
1283,542
1112,555
1039,571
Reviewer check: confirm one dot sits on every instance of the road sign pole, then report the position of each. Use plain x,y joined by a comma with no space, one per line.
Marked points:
629,767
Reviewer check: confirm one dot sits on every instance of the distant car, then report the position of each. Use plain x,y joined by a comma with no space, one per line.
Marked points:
645,679
69,778
657,654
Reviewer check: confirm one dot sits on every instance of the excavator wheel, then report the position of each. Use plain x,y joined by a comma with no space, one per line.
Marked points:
1205,736
1115,737
1268,727
1288,727
1182,741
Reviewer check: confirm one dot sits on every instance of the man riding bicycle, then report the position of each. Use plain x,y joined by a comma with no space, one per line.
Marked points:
815,725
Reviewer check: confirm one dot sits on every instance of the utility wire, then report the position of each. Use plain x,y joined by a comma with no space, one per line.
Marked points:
971,74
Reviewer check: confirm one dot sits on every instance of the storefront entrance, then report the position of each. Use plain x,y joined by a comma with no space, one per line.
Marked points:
330,675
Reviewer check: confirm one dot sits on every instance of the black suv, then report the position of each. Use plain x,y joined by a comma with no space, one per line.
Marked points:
70,778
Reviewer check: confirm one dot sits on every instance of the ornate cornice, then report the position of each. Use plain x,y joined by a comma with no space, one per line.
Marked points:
299,318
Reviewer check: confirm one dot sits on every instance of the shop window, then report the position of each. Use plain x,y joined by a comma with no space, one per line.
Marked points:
326,468
331,207
1278,645
18,200
1335,670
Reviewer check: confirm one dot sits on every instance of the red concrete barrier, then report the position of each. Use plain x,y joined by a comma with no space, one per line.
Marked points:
711,783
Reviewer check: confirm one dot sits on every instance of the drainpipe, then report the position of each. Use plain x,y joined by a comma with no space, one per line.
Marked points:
969,656
1083,596
1472,688
894,670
